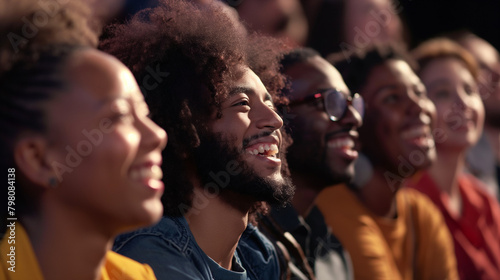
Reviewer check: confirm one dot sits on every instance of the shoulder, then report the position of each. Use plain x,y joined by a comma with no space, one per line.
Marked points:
168,247
171,230
121,267
257,254
253,237
338,204
424,214
478,198
418,201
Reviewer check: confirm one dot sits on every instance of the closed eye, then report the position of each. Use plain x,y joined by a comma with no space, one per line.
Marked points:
126,118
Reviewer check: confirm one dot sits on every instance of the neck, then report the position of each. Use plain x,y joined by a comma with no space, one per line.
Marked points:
445,173
446,170
67,245
493,136
379,195
217,225
307,188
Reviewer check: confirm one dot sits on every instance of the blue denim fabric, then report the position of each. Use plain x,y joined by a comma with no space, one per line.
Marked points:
170,249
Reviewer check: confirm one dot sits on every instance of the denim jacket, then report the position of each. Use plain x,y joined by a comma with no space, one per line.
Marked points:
170,249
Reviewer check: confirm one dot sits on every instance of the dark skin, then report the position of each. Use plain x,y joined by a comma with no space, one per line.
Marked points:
218,225
79,217
398,126
312,125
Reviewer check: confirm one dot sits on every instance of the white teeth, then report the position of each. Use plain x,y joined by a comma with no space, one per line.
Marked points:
270,150
420,131
153,172
341,143
261,149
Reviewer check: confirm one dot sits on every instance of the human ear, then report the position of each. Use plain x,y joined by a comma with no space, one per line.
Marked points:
30,156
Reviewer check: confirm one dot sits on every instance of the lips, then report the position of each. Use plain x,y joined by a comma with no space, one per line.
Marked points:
419,135
463,121
149,174
343,144
265,148
146,172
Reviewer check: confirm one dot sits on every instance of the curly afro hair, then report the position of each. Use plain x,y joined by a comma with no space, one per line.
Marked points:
184,58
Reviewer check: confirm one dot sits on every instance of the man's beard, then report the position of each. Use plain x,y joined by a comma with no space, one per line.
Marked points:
222,168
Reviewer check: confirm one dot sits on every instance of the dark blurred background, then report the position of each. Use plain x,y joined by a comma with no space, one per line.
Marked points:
428,18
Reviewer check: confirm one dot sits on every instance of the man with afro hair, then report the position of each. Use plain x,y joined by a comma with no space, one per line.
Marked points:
214,90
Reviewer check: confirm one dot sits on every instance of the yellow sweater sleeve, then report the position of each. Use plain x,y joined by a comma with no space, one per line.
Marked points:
118,267
358,233
436,255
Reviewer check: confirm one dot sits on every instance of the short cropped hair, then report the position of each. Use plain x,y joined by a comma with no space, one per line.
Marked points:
356,68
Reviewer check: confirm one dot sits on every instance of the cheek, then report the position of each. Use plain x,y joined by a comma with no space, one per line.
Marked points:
477,106
234,130
443,110
120,147
379,131
110,159
311,129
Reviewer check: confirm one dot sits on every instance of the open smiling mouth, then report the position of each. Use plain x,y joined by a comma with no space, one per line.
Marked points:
264,150
419,136
345,147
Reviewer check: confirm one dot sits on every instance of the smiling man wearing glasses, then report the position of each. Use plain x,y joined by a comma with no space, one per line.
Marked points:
323,121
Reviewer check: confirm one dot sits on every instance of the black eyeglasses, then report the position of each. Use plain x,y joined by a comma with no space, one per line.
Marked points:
334,102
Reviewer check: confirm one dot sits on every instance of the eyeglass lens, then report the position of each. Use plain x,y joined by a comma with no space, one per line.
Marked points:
336,104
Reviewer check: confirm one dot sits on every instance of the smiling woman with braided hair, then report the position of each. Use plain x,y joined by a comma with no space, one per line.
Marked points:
81,153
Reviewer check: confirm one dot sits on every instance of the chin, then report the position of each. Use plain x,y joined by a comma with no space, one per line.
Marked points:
152,213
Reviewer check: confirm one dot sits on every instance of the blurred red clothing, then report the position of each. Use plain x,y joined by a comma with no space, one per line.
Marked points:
476,232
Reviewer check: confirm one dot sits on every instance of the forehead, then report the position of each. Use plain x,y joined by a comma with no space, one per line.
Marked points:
361,4
101,76
392,73
250,84
449,67
313,74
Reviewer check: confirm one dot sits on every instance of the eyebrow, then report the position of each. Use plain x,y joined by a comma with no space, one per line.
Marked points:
240,89
248,90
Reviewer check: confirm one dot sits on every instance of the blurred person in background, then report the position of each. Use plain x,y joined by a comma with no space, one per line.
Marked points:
483,159
473,216
351,25
390,232
282,19
83,159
